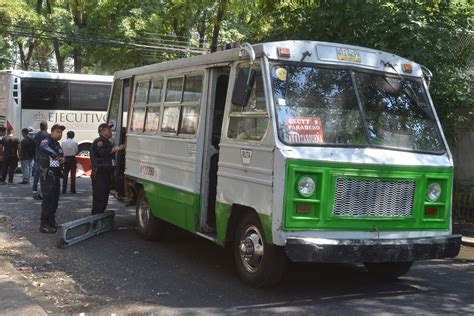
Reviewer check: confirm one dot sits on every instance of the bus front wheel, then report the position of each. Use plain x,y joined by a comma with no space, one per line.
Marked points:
258,263
149,227
388,270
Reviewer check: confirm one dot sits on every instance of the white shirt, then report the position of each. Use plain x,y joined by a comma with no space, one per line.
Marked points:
70,147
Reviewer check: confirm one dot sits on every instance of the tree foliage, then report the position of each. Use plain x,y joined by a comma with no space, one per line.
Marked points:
435,33
103,36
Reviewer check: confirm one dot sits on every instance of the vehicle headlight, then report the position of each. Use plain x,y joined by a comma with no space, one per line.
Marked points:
306,186
433,192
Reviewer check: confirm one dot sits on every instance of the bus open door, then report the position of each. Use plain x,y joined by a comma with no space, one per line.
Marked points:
117,116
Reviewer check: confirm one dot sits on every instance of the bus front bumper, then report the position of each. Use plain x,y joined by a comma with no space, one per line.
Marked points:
371,250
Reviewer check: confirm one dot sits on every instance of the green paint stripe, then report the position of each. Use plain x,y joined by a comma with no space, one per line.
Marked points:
173,205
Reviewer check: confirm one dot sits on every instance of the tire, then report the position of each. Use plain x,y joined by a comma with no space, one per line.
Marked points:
387,271
149,226
258,263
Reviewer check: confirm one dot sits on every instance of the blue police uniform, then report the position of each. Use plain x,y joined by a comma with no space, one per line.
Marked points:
102,160
49,153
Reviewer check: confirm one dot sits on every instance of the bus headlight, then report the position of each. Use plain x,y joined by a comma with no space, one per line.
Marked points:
433,192
306,186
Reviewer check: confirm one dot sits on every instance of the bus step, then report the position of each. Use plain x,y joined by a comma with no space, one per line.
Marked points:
81,229
209,236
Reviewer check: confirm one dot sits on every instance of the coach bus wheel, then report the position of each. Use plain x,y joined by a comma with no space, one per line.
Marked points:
258,263
388,270
149,227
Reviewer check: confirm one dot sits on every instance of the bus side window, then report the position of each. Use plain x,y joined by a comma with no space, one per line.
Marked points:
138,119
153,109
114,103
190,112
182,102
140,98
250,123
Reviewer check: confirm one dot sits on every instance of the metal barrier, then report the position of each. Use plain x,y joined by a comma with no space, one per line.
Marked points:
78,230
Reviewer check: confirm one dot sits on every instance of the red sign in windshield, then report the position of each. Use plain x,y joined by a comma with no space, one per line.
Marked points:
305,130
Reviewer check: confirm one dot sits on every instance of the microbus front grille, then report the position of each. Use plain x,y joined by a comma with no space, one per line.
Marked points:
376,198
3,120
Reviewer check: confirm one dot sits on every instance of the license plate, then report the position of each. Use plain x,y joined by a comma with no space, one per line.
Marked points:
348,54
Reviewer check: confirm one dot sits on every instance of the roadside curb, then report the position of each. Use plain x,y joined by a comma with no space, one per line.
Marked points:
35,301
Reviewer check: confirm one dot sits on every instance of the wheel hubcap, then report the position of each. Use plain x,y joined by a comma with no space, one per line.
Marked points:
144,212
251,249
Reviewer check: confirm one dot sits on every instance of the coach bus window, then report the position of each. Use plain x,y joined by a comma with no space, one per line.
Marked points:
250,122
174,90
44,94
89,97
155,91
170,119
141,92
152,119
138,119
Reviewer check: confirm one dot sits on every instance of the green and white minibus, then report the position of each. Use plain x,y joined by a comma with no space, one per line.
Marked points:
300,150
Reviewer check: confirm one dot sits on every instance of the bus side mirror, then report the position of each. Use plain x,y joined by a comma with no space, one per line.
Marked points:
243,86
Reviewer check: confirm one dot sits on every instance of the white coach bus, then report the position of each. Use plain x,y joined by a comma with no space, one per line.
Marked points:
312,151
76,101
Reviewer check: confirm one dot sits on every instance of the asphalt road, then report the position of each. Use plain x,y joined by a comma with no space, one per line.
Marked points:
120,273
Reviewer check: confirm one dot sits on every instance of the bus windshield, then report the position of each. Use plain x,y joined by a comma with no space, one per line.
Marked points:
338,106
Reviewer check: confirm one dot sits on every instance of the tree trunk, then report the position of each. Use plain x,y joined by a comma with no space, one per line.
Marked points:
39,5
217,24
202,30
78,17
25,59
77,60
57,52
42,58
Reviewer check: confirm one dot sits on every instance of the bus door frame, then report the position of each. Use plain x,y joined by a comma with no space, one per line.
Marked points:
119,134
207,221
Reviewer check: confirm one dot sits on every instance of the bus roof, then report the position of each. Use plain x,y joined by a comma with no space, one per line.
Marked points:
320,52
58,76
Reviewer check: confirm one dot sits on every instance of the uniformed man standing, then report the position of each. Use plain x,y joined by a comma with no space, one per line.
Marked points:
50,158
103,165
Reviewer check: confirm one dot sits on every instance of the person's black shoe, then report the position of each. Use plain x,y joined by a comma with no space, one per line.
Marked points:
73,192
55,225
23,182
47,229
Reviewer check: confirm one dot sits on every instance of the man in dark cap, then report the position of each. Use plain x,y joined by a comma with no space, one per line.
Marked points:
103,165
50,160
38,138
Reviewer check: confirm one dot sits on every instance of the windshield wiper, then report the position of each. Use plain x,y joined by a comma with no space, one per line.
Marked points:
305,54
411,95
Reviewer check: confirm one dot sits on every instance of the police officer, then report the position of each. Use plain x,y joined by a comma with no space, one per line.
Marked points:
103,164
50,158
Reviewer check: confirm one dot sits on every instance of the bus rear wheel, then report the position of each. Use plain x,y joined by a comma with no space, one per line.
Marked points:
387,271
258,263
149,227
